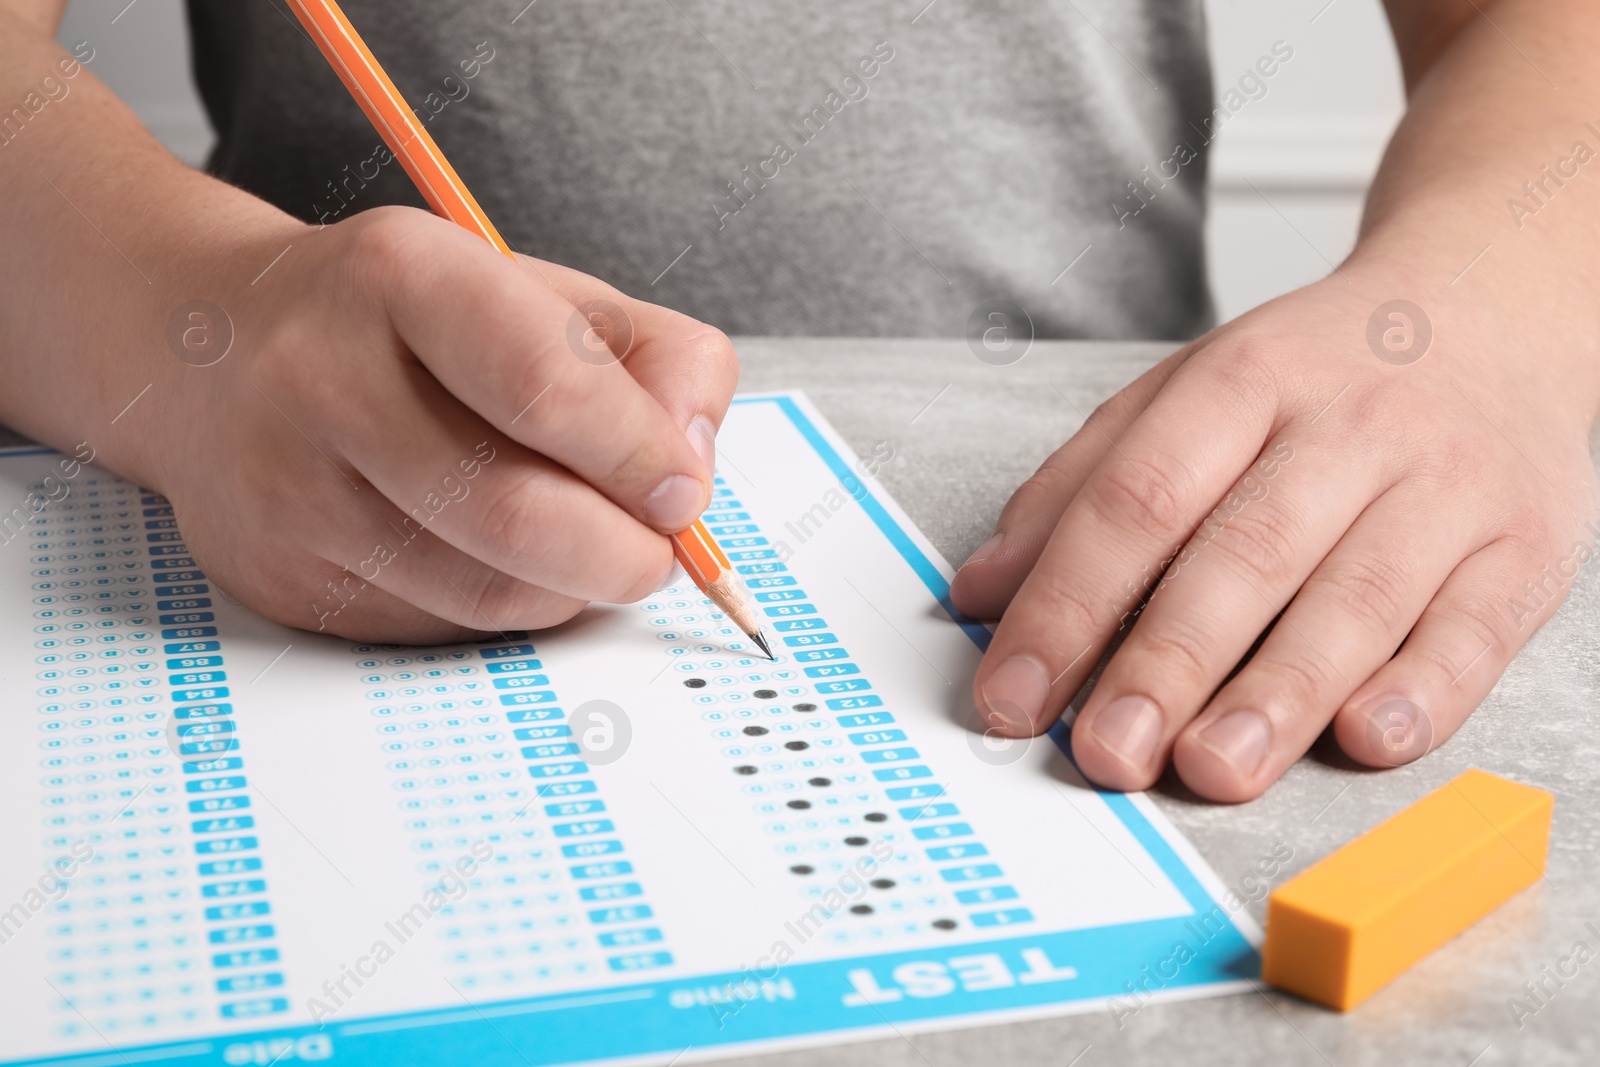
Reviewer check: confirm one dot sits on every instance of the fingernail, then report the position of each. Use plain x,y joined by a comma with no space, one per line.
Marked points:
703,436
1240,739
984,551
1398,731
676,503
1130,728
1015,693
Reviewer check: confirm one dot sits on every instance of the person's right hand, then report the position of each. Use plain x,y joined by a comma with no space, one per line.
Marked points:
415,439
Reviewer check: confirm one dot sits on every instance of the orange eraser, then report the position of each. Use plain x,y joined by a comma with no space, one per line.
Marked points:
1345,927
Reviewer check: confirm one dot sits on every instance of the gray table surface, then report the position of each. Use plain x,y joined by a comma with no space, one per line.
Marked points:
965,434
955,464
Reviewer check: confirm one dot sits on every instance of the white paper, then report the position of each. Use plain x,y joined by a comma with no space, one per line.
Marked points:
548,854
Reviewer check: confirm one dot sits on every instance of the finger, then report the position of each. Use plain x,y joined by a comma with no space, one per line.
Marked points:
691,370
1140,503
688,366
325,597
441,581
1488,607
500,341
1264,538
1346,621
346,607
991,576
510,509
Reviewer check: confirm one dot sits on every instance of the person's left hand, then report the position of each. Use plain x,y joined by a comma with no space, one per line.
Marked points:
1440,508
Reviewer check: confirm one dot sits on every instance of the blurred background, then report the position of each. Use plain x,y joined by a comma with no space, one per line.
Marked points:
1288,171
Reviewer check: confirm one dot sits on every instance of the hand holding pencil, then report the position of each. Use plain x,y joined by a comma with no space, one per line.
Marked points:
381,428
436,179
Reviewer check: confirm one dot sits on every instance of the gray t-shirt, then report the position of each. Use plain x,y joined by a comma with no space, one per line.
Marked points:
840,167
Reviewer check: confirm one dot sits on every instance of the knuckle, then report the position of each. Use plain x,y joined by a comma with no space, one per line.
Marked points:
503,602
1298,678
709,359
523,530
1140,497
1481,620
554,402
1533,538
1045,490
703,359
651,573
1263,542
286,598
625,462
710,346
1354,413
1109,416
382,241
1445,466
516,524
1245,369
1440,662
1371,588
308,595
1179,648
1067,610
632,475
476,597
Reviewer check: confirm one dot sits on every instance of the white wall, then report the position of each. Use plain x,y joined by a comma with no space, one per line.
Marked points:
1288,170
142,52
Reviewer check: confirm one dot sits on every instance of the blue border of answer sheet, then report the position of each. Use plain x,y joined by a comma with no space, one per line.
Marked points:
668,1018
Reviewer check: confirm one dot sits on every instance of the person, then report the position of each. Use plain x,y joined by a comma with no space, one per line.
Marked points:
1374,488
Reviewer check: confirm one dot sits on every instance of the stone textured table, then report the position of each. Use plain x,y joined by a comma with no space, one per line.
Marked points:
964,434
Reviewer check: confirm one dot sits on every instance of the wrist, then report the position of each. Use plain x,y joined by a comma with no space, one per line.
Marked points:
1493,316
201,321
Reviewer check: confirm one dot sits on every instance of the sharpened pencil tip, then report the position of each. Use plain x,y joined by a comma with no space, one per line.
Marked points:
761,642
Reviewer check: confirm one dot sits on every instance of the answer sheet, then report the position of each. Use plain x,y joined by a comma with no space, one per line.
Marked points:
628,838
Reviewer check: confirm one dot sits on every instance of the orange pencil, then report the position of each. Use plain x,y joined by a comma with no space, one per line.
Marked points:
439,184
